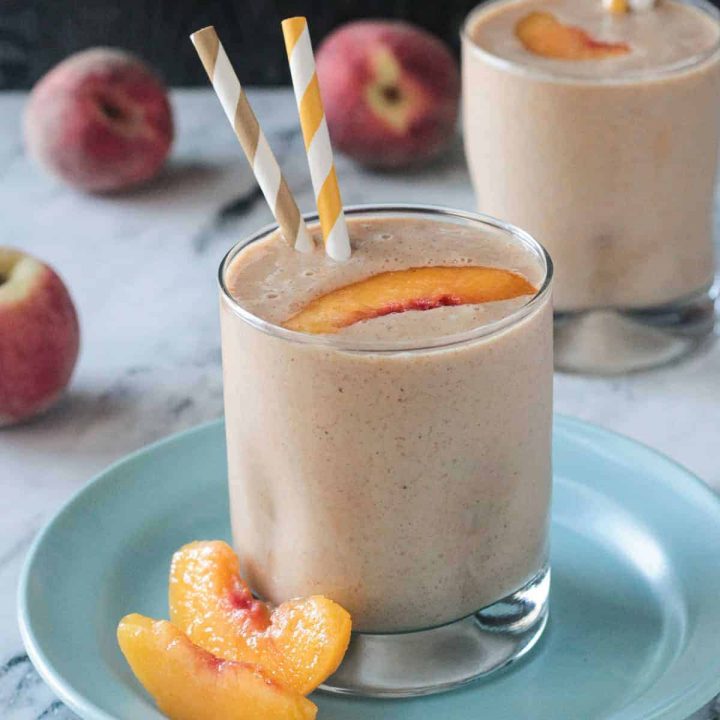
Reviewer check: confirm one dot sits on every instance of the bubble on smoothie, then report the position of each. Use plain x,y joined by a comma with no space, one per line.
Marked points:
308,273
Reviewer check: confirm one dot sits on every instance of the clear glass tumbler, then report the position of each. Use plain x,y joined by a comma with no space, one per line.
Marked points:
615,175
409,481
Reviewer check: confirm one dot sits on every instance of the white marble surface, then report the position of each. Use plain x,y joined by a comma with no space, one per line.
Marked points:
141,268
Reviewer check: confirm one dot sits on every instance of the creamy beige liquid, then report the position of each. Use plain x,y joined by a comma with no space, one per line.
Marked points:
410,486
610,163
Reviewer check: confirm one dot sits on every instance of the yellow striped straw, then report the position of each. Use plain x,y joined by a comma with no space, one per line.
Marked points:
252,139
317,138
617,7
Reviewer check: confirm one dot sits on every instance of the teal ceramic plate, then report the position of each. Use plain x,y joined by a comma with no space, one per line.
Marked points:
635,607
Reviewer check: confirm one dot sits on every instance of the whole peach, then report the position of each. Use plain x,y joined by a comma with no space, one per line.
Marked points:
39,336
100,120
391,92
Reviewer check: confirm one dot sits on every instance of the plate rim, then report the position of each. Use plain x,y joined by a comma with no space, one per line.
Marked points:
75,700
696,697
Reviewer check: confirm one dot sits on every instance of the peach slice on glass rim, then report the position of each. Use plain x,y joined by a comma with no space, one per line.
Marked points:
189,683
299,644
418,288
543,34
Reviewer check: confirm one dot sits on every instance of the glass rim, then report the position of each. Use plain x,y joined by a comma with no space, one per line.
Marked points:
664,71
405,345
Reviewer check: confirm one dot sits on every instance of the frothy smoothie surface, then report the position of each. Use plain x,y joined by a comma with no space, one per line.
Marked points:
274,282
668,35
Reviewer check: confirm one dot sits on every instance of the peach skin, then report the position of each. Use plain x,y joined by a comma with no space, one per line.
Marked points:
420,288
188,683
543,34
299,644
391,92
100,121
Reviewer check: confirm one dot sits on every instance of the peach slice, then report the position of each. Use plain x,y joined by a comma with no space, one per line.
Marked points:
543,34
189,683
419,288
299,644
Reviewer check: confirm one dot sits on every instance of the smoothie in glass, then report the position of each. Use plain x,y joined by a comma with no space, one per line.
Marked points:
609,161
400,465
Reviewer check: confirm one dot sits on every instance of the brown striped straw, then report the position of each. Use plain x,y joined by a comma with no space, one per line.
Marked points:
243,120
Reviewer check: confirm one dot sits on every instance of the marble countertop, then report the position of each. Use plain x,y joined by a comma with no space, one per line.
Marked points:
141,267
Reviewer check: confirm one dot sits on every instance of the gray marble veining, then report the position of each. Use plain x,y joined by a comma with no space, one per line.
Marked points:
141,267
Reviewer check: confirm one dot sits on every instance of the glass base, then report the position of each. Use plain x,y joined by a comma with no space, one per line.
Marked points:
613,342
442,658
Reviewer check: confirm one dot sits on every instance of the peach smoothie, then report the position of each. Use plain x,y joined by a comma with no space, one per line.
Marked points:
388,418
598,132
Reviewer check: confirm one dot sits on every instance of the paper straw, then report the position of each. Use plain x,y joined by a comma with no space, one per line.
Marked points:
242,118
317,139
618,7
622,6
641,5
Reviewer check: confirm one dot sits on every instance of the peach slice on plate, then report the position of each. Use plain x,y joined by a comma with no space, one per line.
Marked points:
543,34
189,683
299,644
420,288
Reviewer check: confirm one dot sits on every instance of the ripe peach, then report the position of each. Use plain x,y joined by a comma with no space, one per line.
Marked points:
189,683
390,91
543,34
420,288
39,336
100,121
299,644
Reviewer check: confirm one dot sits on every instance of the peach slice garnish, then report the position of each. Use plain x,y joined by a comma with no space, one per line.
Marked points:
420,288
189,683
543,34
300,643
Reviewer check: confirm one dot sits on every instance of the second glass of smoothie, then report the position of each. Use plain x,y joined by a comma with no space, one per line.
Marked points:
400,466
609,159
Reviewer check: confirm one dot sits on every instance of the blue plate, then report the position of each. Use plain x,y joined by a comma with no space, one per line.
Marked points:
635,608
